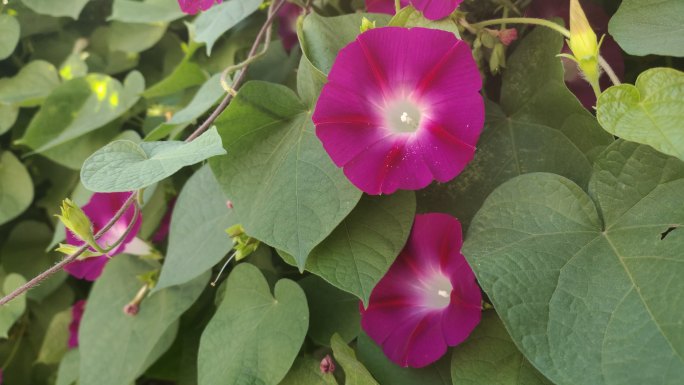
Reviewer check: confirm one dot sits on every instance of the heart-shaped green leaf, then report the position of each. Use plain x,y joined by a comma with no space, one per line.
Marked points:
539,127
70,8
124,165
16,187
255,336
286,190
363,247
116,347
644,27
489,356
650,112
590,290
197,237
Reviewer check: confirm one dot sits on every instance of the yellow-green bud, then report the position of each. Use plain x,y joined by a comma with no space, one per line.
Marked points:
584,44
76,221
366,25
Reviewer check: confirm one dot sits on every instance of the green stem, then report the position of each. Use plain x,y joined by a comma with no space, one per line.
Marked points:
397,6
524,20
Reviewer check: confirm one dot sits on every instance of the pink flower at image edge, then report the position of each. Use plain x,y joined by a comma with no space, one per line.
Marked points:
191,7
100,209
76,315
428,300
402,107
433,10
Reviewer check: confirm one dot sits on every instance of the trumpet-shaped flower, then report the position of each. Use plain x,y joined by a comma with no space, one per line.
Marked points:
428,300
401,108
100,209
431,9
191,7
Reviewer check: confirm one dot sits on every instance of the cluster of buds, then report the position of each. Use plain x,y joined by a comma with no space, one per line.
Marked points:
495,41
243,244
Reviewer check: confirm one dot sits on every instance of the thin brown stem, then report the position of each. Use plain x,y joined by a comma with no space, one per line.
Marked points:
60,265
273,10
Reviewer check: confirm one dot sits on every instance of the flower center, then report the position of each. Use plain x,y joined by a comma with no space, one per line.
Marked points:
402,116
438,292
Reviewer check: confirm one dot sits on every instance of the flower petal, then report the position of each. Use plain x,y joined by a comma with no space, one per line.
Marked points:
436,9
89,269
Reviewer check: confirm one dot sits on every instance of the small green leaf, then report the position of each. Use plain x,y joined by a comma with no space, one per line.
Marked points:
354,371
114,346
387,372
30,86
197,238
216,21
11,312
126,166
206,96
332,311
307,371
255,336
358,253
16,187
286,190
135,37
146,11
79,107
650,112
489,356
69,8
588,284
645,27
9,35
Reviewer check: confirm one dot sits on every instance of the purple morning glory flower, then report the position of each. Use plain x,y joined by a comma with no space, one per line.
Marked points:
191,7
287,25
100,209
429,299
401,108
76,315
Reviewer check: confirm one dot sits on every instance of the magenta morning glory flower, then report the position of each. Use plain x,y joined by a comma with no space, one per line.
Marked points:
431,9
428,299
287,25
610,50
401,108
76,315
100,209
191,7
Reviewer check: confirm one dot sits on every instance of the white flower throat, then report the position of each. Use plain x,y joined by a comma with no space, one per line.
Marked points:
403,116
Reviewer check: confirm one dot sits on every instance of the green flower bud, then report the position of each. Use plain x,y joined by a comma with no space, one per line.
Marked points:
366,25
76,221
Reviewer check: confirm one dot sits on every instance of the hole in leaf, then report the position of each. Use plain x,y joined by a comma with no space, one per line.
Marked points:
667,232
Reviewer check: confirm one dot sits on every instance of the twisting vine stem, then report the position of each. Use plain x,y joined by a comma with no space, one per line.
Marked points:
263,32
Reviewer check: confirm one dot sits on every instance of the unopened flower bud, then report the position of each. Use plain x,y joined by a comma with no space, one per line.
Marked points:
584,45
76,221
131,309
508,36
229,204
327,364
